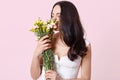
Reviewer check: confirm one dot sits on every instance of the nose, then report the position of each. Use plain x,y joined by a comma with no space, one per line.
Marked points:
54,17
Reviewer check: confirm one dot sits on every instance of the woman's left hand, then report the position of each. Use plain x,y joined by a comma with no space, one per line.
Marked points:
50,75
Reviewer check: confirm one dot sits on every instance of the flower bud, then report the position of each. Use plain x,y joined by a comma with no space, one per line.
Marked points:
47,30
44,28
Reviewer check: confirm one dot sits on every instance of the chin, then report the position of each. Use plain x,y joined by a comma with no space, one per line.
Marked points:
56,31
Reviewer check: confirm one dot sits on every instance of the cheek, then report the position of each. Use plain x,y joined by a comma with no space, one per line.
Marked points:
58,23
58,19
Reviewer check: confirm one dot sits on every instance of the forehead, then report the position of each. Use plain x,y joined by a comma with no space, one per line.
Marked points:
56,9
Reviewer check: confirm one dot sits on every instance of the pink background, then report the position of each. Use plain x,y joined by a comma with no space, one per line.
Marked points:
100,18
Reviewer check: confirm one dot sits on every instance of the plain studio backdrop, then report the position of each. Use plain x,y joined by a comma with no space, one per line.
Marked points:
100,18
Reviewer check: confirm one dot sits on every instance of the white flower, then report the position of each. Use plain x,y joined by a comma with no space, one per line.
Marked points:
49,26
53,24
55,27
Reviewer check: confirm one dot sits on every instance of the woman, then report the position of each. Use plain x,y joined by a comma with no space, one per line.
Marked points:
72,53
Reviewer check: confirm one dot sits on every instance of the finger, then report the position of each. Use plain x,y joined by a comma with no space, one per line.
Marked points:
48,76
47,46
48,79
49,71
46,41
44,37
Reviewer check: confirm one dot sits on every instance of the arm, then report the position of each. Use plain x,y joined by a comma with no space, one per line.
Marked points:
85,68
36,67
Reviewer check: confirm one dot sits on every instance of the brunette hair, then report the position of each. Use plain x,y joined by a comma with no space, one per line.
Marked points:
71,30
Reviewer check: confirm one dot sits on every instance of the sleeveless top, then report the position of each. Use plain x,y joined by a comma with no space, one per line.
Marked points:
65,68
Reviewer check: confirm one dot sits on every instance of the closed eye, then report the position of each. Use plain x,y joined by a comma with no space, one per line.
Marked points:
57,14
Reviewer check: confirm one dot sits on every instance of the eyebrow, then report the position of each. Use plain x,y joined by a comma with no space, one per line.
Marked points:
56,13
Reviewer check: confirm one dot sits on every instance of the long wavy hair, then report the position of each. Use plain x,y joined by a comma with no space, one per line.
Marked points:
71,30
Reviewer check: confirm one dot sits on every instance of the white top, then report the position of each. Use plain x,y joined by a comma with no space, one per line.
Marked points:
64,67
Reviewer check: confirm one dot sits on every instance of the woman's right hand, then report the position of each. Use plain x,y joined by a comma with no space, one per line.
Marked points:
43,44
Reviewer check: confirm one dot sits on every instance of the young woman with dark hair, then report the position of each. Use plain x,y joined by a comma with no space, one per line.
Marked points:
72,53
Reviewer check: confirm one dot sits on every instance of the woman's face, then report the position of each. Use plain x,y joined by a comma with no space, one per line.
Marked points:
56,14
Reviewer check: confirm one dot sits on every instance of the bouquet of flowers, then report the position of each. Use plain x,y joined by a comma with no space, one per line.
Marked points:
42,29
